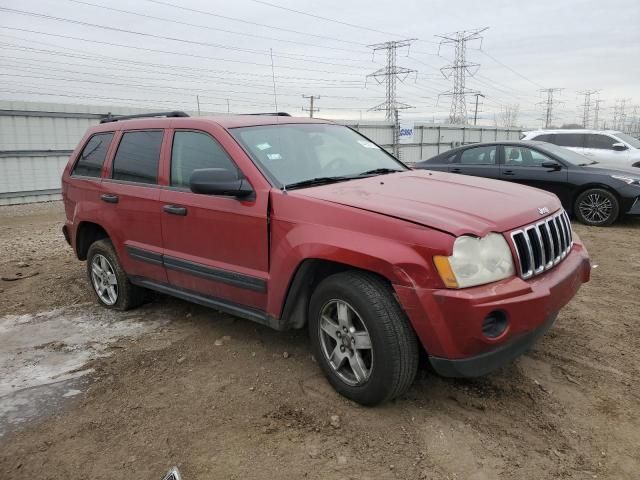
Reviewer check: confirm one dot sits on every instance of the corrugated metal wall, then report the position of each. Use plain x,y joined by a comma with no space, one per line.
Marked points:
37,138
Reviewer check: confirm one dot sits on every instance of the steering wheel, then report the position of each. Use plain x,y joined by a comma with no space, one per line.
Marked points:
336,164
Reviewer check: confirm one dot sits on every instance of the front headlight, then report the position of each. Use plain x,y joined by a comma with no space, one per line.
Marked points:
476,261
627,180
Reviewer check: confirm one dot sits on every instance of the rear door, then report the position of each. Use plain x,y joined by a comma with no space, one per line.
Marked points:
524,165
481,161
214,245
131,203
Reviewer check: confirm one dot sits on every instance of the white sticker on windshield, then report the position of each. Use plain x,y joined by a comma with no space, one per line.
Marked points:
274,156
366,144
263,146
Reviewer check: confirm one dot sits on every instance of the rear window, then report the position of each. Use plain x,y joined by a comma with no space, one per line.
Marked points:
575,140
479,156
546,137
92,156
138,156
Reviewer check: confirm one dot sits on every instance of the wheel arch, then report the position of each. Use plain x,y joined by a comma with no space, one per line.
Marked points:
583,188
87,233
308,274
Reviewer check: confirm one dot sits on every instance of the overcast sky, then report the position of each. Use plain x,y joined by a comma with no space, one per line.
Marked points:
220,52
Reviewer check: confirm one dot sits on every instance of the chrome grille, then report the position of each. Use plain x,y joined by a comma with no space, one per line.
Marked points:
542,245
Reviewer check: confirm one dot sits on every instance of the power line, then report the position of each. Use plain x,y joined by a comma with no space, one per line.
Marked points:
182,54
459,70
204,12
353,25
208,27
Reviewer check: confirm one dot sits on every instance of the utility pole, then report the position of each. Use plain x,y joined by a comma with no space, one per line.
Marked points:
596,113
389,75
475,114
548,105
228,106
459,71
311,109
586,107
198,103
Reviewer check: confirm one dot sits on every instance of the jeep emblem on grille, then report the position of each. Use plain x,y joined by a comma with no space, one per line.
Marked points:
543,210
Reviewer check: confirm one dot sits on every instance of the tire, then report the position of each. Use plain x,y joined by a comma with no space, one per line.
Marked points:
388,367
597,207
121,294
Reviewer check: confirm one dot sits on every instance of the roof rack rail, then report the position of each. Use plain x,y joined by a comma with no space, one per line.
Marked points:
273,114
111,118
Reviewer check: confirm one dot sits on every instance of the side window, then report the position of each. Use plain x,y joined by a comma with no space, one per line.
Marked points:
575,140
523,157
546,137
192,151
479,156
92,156
137,157
602,142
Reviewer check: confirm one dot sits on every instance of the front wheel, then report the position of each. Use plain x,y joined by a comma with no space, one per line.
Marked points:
362,338
597,207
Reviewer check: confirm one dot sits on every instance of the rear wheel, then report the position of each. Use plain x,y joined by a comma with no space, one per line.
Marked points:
362,338
597,207
110,283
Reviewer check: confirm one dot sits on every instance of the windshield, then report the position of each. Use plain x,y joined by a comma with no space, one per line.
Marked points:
634,142
567,155
295,153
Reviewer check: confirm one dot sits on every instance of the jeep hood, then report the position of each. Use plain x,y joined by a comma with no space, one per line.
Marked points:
452,203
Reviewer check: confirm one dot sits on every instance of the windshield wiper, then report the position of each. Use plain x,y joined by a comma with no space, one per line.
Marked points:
316,181
379,171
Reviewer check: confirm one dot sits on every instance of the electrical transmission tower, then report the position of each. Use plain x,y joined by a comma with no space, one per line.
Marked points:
548,105
459,71
619,115
389,75
596,113
311,108
586,107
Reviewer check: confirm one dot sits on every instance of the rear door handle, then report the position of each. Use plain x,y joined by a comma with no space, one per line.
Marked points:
105,197
175,210
456,170
508,172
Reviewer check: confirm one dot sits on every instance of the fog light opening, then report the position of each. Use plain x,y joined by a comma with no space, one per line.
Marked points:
495,324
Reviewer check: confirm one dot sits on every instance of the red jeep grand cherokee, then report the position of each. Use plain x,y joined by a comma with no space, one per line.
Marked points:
292,222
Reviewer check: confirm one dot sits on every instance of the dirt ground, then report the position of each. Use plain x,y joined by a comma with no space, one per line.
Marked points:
223,398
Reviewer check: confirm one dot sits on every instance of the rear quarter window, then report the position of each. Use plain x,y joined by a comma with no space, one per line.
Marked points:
93,154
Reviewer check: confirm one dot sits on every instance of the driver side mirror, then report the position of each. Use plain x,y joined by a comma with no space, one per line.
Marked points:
619,146
220,181
551,164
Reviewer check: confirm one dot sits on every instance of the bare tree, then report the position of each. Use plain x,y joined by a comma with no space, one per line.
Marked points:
508,116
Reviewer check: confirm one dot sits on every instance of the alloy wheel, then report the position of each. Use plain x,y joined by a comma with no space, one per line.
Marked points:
104,279
596,208
345,342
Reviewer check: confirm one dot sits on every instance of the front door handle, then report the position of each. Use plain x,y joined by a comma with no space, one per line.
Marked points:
106,197
509,172
175,210
456,170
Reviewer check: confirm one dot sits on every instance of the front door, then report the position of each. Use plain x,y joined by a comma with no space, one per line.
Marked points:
599,148
524,165
215,246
